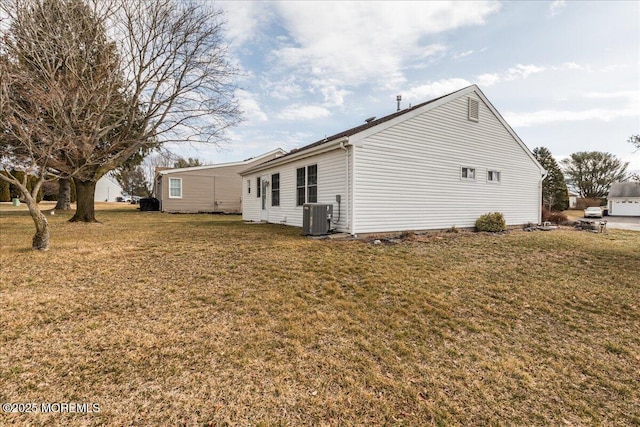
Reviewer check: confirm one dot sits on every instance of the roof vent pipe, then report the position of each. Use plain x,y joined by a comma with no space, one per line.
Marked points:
370,119
399,98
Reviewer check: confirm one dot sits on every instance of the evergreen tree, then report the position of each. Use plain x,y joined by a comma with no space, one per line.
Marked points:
133,181
187,163
555,196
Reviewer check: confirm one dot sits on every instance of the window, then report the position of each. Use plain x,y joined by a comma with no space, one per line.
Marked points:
275,189
258,187
175,188
248,186
493,176
312,184
300,186
307,185
474,110
468,173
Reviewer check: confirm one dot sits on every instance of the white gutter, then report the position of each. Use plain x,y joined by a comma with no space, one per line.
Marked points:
322,148
346,163
540,201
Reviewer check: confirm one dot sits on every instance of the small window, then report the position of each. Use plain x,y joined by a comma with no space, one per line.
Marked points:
175,188
248,186
258,187
474,110
275,189
468,173
493,176
300,187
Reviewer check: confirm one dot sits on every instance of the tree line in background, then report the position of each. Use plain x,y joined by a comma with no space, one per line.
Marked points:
589,173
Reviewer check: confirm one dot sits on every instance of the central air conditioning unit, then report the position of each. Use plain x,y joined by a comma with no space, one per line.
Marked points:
316,219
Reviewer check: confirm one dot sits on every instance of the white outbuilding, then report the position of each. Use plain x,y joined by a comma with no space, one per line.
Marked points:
107,189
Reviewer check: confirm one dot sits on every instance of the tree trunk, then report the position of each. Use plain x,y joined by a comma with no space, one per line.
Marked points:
40,240
64,195
85,195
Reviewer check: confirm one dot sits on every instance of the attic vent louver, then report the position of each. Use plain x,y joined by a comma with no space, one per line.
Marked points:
474,110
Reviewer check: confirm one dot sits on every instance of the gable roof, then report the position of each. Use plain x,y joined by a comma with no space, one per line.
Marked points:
370,124
248,161
625,189
386,121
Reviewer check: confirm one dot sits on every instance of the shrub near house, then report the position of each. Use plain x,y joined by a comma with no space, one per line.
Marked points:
492,222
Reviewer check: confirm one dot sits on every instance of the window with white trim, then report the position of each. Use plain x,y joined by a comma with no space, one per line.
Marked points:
468,173
275,189
312,184
493,176
307,185
175,188
258,187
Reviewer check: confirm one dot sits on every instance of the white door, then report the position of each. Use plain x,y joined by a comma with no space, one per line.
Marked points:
264,199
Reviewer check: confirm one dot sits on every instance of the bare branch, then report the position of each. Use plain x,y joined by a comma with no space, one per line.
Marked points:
88,85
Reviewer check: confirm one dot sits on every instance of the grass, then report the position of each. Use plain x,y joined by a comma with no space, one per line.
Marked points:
202,320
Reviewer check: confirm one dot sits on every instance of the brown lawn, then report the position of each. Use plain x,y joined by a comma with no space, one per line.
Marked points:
202,320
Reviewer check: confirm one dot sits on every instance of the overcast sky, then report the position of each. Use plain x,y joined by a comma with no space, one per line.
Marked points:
565,75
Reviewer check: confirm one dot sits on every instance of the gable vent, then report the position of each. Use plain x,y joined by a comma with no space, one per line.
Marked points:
474,110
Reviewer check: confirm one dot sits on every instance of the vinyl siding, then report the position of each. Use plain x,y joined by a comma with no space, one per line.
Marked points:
205,190
407,177
215,189
107,190
332,181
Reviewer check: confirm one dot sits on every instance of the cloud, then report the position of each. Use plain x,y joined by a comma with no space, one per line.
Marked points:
554,116
486,80
244,20
248,104
432,90
368,41
520,71
303,112
288,88
556,6
462,54
628,94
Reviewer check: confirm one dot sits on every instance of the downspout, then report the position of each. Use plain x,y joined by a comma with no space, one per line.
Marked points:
544,175
346,163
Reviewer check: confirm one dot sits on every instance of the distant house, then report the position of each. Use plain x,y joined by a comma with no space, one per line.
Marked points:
107,189
573,200
624,199
211,188
438,164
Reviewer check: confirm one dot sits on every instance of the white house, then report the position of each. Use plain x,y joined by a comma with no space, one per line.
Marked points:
438,164
624,199
107,189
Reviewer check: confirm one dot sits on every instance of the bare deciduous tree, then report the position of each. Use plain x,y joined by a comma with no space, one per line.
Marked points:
111,79
24,142
593,172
